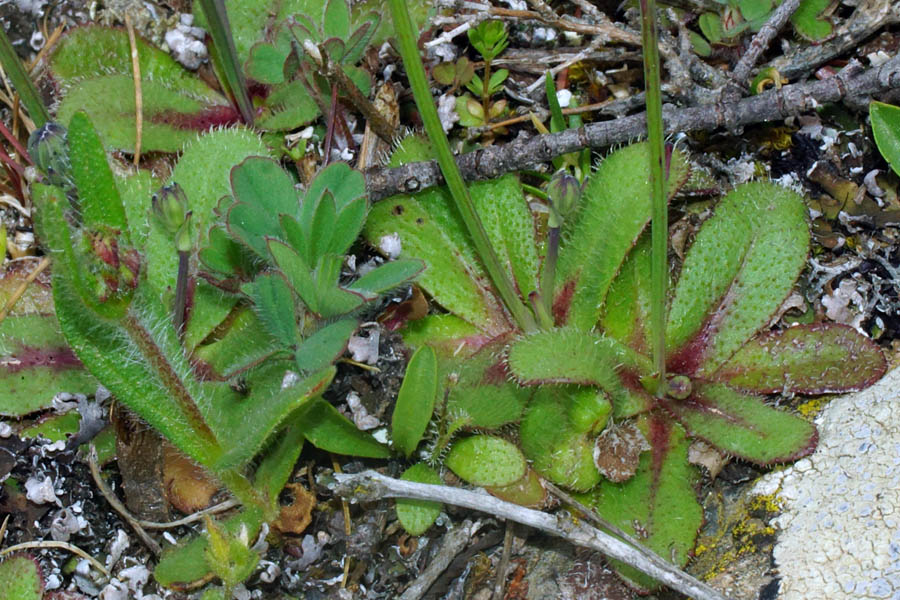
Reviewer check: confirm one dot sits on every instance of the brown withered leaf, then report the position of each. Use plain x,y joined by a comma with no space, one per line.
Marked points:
188,487
139,456
296,516
618,451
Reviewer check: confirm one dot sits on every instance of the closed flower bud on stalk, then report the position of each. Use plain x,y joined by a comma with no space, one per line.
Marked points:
49,149
563,191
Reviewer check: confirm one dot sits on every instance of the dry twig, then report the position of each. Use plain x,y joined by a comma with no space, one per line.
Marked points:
371,485
759,43
452,544
494,161
138,94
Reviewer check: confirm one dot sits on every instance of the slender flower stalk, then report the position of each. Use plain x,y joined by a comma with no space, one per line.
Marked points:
415,71
660,226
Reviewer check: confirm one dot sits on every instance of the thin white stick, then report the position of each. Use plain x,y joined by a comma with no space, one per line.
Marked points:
371,485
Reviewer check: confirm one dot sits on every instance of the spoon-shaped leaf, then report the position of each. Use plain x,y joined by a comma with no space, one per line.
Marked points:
743,425
415,401
741,266
658,505
565,356
805,359
417,516
614,210
452,275
486,460
559,451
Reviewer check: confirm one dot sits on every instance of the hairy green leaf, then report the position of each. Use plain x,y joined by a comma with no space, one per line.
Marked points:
565,356
37,364
486,460
263,192
614,210
417,516
557,450
452,276
741,266
743,425
805,359
248,422
482,394
274,305
93,67
626,314
244,343
97,193
324,346
185,564
658,505
387,276
20,577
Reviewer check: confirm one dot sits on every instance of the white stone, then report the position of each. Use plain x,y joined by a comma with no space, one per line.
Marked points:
837,540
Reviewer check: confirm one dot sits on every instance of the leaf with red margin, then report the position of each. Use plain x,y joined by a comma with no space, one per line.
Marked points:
741,266
742,425
20,577
613,211
658,505
805,359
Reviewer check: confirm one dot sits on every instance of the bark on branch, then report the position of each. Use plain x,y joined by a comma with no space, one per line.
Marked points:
494,161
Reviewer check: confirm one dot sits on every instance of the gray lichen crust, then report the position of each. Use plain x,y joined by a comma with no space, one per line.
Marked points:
840,530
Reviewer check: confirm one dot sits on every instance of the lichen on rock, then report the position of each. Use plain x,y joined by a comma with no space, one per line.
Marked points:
840,529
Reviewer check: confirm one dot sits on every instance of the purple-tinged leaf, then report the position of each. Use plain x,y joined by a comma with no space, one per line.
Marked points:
742,425
36,364
737,273
658,505
806,359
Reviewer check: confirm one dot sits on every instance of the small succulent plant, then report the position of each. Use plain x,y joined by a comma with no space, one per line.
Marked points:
582,386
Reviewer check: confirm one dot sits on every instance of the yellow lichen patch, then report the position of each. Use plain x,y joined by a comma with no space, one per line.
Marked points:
743,533
813,407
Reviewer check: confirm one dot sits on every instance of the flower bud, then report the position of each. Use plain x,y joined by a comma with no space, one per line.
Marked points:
169,206
183,240
49,148
563,192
